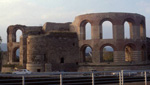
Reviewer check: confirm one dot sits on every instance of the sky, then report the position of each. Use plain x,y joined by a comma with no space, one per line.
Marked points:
37,12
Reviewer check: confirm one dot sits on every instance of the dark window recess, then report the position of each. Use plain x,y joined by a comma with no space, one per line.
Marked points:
45,57
38,70
73,44
77,63
148,57
62,60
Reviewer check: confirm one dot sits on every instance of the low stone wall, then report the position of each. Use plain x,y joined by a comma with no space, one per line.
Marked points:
112,67
6,69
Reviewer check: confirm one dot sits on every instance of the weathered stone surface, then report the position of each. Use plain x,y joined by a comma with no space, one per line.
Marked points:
61,46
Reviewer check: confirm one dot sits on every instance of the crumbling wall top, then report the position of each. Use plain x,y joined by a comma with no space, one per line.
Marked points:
50,26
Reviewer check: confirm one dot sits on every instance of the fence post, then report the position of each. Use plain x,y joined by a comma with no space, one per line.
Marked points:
104,74
120,80
23,80
61,80
122,77
145,78
93,78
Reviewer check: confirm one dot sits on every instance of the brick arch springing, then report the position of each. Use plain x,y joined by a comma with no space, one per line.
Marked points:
108,44
106,19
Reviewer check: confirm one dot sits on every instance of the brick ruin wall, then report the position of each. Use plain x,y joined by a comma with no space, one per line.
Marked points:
137,41
61,46
50,49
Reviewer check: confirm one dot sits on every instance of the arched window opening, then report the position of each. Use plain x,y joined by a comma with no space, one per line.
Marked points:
107,30
107,54
85,30
17,55
88,31
128,53
87,54
126,30
62,60
143,53
141,31
18,35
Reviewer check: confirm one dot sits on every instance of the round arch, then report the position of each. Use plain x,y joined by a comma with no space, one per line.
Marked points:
133,46
106,19
11,30
131,23
128,20
83,22
15,32
128,50
86,56
84,46
107,55
104,27
85,31
18,35
108,44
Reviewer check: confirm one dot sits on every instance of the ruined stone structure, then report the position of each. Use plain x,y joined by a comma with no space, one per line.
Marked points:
61,46
49,48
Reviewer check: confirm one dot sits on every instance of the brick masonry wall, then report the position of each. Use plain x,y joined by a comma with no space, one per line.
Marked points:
50,48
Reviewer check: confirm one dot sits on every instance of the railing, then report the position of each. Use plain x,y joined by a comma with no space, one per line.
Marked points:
77,78
143,73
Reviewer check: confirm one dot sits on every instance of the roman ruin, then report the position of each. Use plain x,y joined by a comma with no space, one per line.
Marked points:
61,46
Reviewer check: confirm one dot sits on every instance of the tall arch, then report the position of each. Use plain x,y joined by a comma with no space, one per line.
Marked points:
107,30
88,31
126,30
86,53
18,35
129,48
130,22
85,30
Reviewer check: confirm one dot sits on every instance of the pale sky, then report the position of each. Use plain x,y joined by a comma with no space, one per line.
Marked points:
37,12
